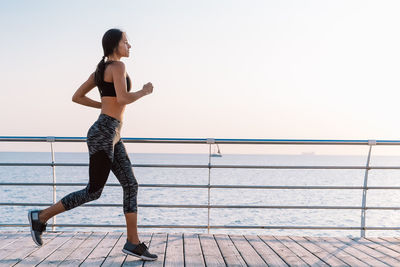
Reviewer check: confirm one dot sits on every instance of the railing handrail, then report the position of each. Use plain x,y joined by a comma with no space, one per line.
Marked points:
207,140
217,186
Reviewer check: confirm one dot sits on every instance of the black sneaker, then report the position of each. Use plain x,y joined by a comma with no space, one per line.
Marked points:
140,250
37,227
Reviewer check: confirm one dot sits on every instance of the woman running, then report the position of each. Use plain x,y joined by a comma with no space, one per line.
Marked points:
106,149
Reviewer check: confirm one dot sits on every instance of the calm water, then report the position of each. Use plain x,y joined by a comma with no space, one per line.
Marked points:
148,216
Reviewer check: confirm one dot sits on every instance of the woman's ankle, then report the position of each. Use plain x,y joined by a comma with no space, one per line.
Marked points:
42,218
134,241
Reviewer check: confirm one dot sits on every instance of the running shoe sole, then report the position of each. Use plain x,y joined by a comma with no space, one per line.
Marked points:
32,231
142,257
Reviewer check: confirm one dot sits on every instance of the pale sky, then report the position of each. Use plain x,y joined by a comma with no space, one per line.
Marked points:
222,69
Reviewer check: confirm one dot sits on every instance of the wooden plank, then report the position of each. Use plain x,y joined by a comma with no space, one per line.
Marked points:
7,235
12,237
391,243
324,255
44,251
7,232
249,255
116,257
65,250
337,250
174,251
99,254
192,250
22,248
269,256
157,246
211,252
354,252
371,252
379,244
135,261
284,253
228,250
84,249
9,248
304,254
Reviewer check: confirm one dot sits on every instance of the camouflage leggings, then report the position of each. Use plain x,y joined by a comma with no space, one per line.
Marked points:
107,152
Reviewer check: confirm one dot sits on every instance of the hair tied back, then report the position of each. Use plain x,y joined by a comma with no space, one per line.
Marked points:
110,42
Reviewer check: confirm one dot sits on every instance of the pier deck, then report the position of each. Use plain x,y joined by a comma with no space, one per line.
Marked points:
187,249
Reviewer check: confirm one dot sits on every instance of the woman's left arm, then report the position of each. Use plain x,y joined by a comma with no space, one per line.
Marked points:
80,94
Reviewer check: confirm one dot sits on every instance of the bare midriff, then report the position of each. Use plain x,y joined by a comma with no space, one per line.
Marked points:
111,107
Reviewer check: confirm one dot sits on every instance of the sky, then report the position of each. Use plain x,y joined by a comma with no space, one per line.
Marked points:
220,69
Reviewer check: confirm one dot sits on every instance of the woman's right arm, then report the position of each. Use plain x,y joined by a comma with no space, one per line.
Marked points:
123,96
80,94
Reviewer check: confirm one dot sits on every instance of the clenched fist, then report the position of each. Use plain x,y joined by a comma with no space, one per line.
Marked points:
148,88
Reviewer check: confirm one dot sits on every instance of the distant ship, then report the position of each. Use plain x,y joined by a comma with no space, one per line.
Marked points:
216,154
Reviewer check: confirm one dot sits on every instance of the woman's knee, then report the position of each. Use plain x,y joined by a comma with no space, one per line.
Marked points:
80,197
93,195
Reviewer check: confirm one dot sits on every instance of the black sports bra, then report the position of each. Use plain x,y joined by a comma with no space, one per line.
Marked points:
108,89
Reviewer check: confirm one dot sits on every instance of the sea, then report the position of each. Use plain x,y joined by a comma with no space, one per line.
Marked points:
225,196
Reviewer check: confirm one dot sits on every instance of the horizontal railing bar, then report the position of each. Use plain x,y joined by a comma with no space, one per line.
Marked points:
212,166
108,225
203,140
215,186
44,164
215,226
212,206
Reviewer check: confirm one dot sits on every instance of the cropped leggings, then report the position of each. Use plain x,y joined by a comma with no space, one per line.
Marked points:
107,152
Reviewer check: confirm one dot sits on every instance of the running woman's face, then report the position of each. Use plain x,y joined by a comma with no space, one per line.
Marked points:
124,46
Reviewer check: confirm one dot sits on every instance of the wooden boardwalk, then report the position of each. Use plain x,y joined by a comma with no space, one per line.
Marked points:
177,249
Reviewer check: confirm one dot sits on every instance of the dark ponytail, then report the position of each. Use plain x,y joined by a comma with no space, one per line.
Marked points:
110,42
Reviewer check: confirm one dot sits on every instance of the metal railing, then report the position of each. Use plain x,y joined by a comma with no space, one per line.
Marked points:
210,141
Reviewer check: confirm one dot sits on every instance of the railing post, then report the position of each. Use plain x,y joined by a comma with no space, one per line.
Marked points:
364,196
51,139
210,141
